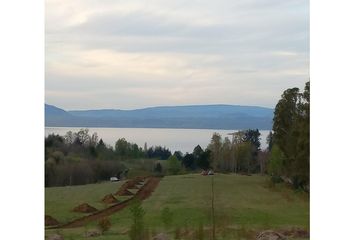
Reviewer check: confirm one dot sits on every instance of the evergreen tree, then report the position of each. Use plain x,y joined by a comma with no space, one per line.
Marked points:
174,166
188,161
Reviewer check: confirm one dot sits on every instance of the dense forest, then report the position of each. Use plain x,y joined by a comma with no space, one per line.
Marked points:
81,157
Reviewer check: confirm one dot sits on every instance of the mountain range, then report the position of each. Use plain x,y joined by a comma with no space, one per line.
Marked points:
228,117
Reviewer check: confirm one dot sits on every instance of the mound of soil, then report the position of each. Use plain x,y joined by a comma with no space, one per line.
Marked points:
109,199
140,182
138,179
84,208
124,192
130,184
50,221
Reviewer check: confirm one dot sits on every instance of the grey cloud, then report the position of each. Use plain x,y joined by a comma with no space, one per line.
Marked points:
280,27
261,46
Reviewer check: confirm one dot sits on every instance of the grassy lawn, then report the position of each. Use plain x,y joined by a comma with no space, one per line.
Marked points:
59,201
242,203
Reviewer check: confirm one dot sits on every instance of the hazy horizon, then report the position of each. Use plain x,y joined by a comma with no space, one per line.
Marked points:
187,105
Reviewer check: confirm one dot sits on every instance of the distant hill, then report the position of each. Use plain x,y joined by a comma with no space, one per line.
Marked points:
57,117
193,116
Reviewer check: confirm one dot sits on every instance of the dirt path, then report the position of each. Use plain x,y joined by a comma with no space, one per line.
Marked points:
143,193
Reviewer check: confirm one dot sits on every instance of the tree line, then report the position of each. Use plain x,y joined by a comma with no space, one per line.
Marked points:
239,154
80,158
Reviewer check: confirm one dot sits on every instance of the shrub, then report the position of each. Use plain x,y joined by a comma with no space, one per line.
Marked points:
137,228
276,161
276,179
104,224
158,168
166,217
174,165
58,156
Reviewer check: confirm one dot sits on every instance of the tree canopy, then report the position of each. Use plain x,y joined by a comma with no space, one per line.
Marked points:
291,127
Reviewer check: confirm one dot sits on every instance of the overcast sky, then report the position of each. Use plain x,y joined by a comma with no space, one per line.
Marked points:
133,54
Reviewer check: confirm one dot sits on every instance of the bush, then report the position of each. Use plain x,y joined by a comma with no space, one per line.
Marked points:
276,161
58,156
166,217
174,165
276,179
137,228
158,168
104,224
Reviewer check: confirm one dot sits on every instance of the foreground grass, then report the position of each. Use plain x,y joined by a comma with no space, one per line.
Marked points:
242,203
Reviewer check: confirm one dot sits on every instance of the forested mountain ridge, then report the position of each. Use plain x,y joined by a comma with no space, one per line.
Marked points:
193,116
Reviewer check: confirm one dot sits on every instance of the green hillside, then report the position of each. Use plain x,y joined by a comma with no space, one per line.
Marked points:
244,205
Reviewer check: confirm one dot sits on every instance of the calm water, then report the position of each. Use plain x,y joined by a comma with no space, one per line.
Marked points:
175,139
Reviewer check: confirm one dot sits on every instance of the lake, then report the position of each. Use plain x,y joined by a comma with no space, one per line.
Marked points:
183,140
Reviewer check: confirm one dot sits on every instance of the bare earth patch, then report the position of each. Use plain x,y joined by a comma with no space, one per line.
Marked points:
84,208
50,221
109,199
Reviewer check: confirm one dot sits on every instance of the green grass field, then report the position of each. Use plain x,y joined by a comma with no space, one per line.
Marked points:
242,203
59,201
